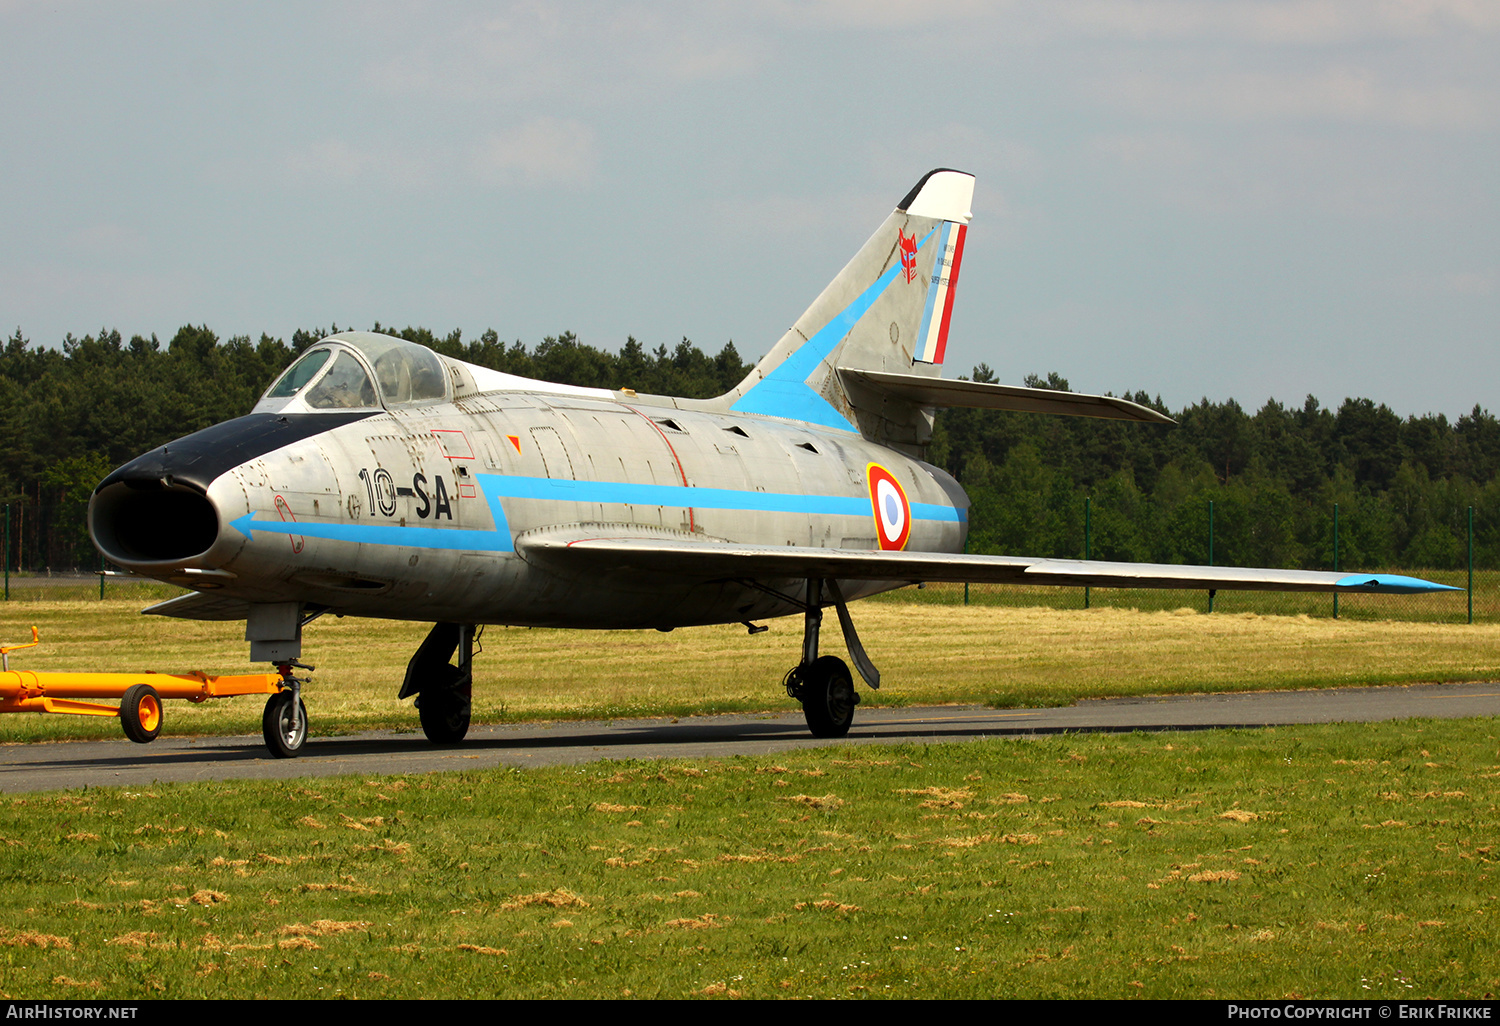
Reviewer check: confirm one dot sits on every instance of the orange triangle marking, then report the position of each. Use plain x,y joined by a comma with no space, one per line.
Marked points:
516,441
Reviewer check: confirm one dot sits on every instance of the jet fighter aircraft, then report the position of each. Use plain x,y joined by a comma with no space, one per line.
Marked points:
378,478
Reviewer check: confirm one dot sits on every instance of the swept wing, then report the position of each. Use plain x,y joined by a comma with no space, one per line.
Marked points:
952,393
726,560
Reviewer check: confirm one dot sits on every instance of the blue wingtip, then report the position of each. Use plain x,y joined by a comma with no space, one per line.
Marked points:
1390,584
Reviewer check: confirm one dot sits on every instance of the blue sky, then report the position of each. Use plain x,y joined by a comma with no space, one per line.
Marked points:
1220,199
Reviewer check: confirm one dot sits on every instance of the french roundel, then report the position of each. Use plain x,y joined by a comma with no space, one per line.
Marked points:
892,511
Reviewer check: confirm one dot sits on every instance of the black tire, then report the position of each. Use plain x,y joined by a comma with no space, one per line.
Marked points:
140,713
828,697
284,738
444,705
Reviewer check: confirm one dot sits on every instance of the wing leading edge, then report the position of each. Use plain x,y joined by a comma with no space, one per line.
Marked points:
950,393
726,560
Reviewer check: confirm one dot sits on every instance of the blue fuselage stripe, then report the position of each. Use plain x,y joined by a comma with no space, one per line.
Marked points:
497,487
384,534
684,497
784,391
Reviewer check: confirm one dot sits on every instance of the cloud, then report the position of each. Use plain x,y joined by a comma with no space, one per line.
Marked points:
1270,175
883,14
535,153
106,237
532,153
1456,284
756,217
335,161
1279,22
1289,22
116,292
1339,94
589,53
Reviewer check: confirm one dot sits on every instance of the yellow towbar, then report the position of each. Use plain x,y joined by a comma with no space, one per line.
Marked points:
140,694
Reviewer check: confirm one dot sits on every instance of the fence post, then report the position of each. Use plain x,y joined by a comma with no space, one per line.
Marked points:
1088,541
1335,557
1471,564
966,583
7,552
1210,550
101,577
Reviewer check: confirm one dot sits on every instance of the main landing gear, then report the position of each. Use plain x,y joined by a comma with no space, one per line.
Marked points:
822,683
443,691
443,694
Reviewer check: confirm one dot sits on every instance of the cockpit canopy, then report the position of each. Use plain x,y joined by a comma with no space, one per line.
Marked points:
357,370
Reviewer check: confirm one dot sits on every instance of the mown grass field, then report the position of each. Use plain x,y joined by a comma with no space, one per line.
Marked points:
1321,862
1316,862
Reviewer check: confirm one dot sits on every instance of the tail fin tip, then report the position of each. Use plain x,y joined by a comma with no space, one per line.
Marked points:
887,311
943,193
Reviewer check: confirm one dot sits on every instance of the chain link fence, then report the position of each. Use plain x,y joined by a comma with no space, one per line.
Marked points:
1478,602
1439,607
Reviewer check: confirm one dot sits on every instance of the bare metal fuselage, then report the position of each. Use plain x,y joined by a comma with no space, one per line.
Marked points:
422,512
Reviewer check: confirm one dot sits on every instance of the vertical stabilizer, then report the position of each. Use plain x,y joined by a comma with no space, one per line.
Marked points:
889,309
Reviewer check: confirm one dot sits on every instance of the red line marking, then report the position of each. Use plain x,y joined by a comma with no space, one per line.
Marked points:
958,255
284,511
671,450
444,442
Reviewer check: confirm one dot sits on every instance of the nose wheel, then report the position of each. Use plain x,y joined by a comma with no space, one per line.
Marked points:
284,722
284,725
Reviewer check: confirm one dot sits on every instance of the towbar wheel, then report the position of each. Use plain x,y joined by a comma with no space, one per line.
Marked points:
140,713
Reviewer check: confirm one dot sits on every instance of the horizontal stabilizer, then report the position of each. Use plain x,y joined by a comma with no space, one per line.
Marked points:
979,395
725,560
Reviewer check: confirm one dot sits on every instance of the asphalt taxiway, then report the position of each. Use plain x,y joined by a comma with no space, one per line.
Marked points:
54,766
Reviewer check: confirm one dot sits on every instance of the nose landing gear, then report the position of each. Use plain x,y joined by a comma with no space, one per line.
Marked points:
283,724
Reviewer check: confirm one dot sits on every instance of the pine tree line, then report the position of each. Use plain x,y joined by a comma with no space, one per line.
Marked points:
72,414
1403,487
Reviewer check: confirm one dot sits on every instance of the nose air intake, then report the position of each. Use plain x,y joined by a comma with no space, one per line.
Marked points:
152,521
155,509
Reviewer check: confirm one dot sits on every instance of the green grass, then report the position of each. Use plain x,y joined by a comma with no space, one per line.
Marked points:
928,654
1322,862
25,590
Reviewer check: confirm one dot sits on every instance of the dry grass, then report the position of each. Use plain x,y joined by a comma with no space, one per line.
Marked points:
927,654
1327,861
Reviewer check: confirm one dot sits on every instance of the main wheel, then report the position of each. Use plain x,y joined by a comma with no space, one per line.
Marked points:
828,697
140,713
284,725
443,706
